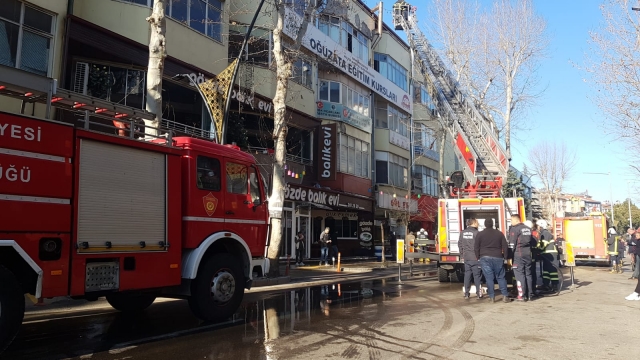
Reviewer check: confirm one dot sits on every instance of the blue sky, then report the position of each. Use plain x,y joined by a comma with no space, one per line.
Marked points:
565,112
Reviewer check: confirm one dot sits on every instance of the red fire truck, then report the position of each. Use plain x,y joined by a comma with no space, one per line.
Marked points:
476,190
88,214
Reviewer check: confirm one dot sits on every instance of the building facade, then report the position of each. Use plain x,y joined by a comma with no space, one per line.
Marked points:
363,138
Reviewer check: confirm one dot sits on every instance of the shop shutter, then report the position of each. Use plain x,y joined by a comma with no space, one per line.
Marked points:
121,199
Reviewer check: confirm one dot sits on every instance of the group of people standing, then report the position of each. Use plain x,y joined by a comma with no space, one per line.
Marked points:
615,248
485,252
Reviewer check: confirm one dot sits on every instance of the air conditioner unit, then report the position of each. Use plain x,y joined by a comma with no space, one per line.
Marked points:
80,78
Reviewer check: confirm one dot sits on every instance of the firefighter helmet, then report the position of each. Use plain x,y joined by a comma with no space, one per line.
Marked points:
528,223
542,224
612,231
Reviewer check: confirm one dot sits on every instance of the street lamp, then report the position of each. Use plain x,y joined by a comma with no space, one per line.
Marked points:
610,192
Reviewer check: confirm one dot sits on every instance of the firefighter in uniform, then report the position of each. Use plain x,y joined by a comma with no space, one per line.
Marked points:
467,252
612,250
549,256
520,237
535,254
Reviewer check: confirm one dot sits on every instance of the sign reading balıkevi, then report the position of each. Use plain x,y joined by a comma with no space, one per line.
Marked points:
325,47
327,150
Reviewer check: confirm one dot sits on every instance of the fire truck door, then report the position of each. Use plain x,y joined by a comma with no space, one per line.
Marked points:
240,216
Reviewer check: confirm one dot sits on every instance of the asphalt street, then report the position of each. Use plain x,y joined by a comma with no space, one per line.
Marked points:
371,319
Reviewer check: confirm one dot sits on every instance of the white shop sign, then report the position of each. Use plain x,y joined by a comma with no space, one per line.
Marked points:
399,140
322,45
399,203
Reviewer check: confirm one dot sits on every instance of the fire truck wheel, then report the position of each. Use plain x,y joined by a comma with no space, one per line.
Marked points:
217,291
443,275
130,303
11,307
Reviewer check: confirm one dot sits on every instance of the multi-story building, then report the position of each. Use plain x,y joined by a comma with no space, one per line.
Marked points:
362,140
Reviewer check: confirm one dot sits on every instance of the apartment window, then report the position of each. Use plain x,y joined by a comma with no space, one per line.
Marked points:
330,26
354,156
302,73
26,37
398,121
391,169
258,50
425,99
426,180
385,65
141,2
204,16
329,91
346,35
356,101
355,42
426,143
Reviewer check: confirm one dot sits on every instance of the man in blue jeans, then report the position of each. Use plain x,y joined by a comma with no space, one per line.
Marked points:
491,248
325,240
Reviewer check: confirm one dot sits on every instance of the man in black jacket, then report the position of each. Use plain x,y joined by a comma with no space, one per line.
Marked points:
468,255
492,249
520,237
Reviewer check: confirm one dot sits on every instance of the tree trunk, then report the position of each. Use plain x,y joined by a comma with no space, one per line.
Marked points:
507,118
157,53
283,74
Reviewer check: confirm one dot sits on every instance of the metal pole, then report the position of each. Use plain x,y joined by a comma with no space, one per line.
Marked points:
629,202
613,220
225,119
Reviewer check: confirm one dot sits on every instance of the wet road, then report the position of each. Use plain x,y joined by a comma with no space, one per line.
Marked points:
376,319
265,326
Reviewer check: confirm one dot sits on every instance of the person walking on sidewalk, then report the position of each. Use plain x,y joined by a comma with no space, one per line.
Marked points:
325,240
468,254
299,248
491,248
634,251
520,236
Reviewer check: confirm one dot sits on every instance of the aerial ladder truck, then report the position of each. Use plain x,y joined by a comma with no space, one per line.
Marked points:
476,190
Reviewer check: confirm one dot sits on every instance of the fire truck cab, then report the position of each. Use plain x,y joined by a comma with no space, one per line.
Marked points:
87,213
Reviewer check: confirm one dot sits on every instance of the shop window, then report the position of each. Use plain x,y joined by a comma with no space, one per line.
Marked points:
299,145
345,228
329,91
236,178
111,83
354,156
26,37
208,173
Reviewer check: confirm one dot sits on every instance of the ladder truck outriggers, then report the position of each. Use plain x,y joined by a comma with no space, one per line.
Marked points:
88,210
474,191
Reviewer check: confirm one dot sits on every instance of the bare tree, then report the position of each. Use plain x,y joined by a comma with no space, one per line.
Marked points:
495,55
613,69
284,52
552,164
157,54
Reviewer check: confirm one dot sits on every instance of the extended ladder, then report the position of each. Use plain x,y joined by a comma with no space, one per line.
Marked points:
482,157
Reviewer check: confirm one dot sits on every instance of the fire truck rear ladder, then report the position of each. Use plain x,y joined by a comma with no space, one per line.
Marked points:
458,113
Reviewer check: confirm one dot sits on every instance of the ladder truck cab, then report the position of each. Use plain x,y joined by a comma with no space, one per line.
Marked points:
87,213
475,191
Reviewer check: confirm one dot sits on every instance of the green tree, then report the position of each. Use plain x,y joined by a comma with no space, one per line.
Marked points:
621,214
